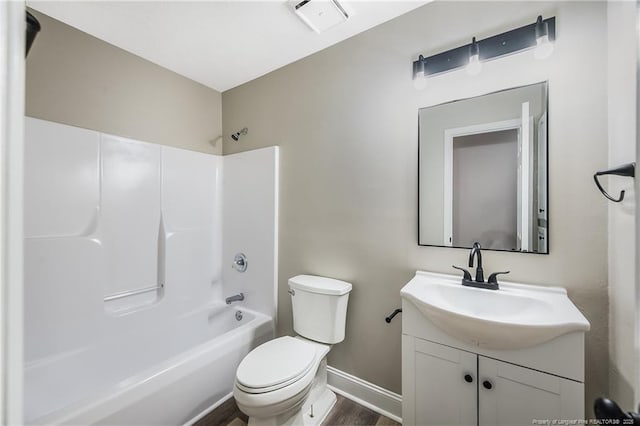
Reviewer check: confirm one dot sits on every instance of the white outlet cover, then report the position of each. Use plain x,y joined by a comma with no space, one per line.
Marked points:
320,15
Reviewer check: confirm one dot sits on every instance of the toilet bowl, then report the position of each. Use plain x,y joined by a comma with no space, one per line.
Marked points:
275,379
284,381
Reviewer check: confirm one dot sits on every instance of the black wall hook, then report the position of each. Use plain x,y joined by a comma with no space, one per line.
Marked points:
627,170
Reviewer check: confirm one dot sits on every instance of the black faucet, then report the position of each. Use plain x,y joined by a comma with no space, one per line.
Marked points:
475,251
492,282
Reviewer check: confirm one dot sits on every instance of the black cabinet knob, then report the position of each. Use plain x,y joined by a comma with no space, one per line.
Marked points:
487,385
468,378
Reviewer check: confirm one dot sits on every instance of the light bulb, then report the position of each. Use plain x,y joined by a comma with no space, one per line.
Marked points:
420,81
544,47
475,66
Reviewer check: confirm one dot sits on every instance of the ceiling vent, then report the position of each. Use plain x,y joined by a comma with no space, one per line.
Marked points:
320,15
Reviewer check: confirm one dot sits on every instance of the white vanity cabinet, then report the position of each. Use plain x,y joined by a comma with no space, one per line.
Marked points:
433,376
443,385
449,380
512,395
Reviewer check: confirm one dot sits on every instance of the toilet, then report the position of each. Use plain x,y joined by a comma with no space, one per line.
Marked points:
284,381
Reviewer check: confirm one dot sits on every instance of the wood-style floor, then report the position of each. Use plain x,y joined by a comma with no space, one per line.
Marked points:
344,413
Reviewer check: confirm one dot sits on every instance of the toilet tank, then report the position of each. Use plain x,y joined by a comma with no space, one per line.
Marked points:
319,307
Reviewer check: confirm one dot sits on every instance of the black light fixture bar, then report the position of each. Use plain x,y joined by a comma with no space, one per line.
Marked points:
490,48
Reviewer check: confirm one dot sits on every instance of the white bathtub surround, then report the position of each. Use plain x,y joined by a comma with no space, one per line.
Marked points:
251,226
124,289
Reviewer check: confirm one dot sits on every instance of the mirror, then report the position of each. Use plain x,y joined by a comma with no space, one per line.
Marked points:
483,172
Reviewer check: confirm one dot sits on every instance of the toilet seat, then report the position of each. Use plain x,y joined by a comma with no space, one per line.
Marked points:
292,391
286,359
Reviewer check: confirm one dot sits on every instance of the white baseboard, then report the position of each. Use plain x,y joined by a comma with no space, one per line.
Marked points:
374,397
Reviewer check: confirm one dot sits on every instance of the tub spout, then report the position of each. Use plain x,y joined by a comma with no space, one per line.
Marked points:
235,298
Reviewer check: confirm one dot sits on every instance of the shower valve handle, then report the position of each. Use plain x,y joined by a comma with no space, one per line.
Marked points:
240,262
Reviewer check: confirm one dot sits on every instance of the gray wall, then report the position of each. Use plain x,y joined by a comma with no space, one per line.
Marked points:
485,196
346,119
76,79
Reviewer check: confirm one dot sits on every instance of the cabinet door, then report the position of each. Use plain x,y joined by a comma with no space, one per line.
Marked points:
510,395
435,391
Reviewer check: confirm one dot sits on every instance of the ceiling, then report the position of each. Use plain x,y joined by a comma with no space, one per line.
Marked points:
220,44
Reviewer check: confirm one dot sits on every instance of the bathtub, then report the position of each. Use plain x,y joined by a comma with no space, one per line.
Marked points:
167,378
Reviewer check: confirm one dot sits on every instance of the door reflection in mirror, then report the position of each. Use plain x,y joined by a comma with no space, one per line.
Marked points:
483,171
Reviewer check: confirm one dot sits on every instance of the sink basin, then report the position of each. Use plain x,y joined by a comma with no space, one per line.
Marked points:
513,317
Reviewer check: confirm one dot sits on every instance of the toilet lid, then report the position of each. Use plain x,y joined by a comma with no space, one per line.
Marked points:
275,362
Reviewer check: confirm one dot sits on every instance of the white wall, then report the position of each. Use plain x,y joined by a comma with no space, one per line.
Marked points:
251,181
622,116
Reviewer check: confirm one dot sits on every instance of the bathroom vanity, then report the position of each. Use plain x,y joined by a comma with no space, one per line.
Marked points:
490,357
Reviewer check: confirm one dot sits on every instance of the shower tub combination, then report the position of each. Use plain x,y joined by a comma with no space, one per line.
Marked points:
148,383
126,273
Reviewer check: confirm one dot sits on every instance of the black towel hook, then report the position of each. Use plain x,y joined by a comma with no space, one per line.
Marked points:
628,170
393,314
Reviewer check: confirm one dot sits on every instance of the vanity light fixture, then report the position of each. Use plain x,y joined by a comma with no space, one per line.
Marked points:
544,47
474,66
540,35
419,80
